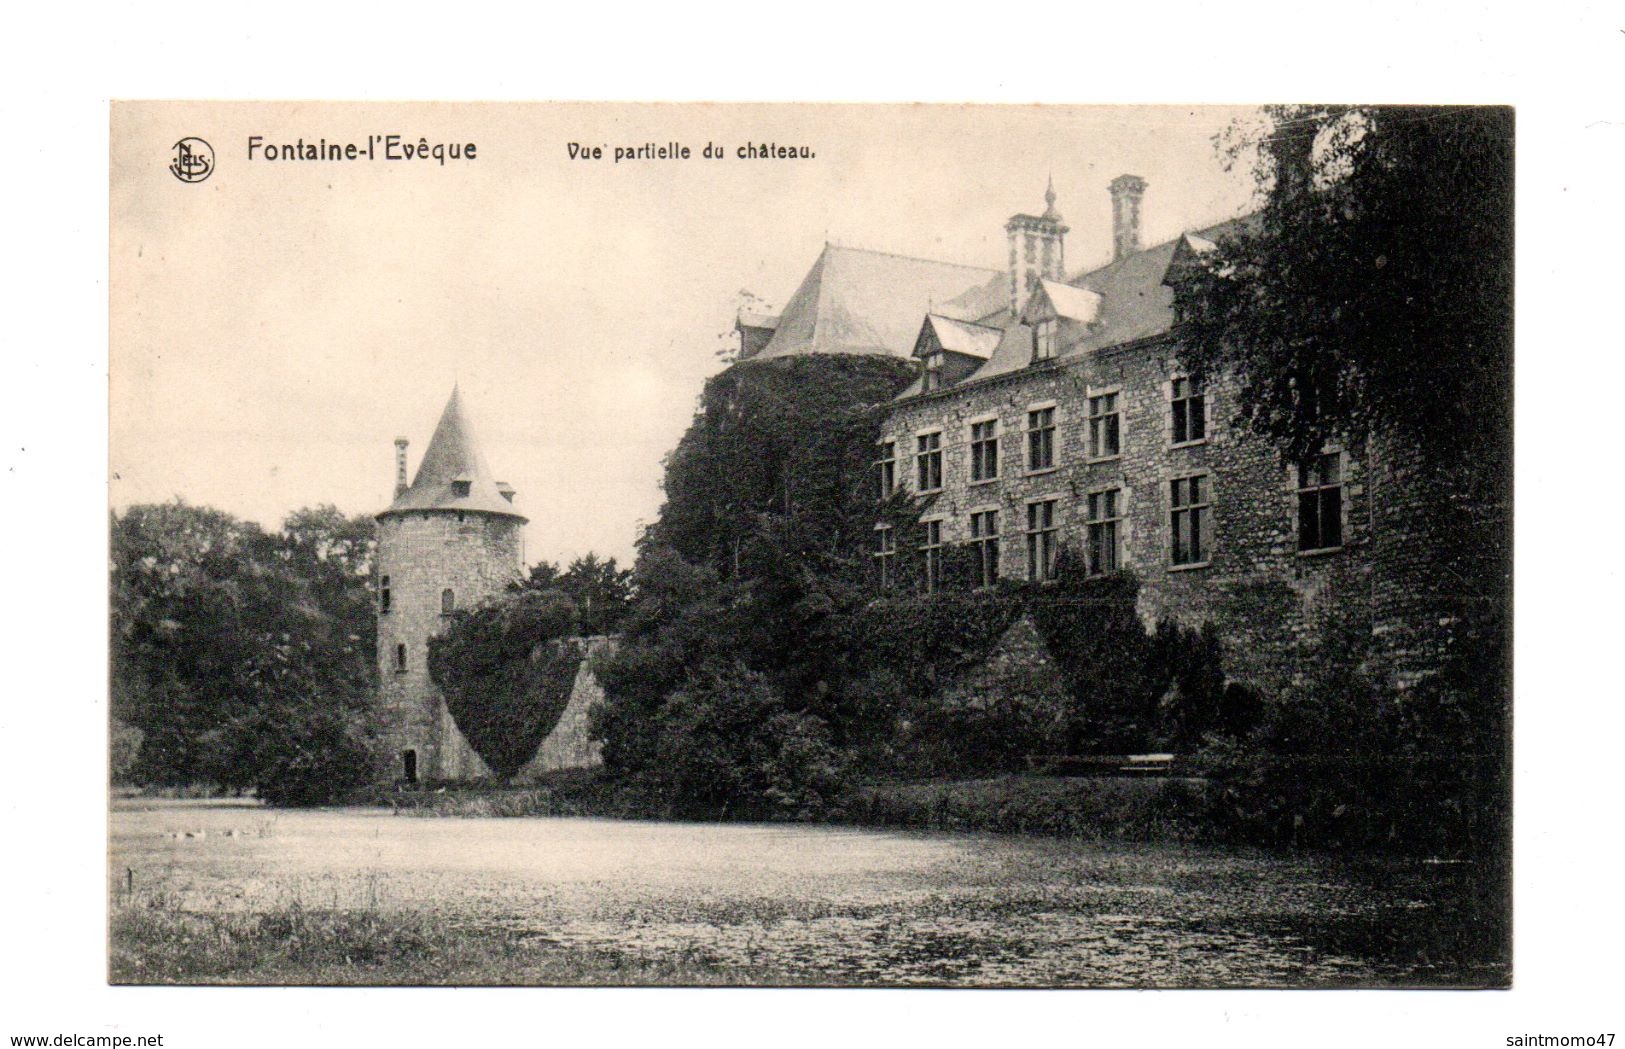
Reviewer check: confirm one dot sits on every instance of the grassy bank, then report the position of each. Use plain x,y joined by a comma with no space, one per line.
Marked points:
1106,809
152,941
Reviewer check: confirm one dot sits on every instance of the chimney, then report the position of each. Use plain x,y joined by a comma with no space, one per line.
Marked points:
400,466
1126,192
1037,250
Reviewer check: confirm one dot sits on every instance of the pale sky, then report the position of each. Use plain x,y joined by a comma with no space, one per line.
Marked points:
276,326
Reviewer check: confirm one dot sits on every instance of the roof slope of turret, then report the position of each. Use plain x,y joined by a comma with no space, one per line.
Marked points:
453,474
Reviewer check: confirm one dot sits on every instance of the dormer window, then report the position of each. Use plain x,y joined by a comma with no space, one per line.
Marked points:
461,488
1044,339
933,373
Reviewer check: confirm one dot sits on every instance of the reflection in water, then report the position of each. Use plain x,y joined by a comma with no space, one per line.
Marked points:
830,905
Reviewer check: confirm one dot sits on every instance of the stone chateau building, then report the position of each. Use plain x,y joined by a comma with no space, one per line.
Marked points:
1050,409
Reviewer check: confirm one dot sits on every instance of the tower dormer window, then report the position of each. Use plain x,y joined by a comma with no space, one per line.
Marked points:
1044,339
461,488
933,372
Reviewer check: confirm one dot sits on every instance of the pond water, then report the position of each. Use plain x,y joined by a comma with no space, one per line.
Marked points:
833,905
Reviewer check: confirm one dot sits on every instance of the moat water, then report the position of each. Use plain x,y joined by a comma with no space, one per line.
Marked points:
830,905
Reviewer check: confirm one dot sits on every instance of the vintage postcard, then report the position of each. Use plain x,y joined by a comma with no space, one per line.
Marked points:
810,545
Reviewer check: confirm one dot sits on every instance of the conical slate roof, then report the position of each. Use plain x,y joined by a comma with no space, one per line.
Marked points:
453,474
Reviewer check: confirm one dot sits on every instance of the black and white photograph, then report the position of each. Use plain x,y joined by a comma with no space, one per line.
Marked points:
679,545
805,527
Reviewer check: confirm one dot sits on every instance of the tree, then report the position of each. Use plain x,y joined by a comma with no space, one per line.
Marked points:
732,745
1104,655
235,651
600,590
741,585
1373,287
778,439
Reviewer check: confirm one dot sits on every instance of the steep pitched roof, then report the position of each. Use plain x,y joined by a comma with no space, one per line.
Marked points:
956,336
453,474
1135,303
1013,353
1075,304
1122,301
858,301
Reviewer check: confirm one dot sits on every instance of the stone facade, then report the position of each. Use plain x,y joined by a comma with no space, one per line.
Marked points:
1251,579
568,745
422,556
1214,523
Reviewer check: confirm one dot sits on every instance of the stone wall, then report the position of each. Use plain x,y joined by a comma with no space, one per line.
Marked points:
1441,553
568,746
1265,596
422,554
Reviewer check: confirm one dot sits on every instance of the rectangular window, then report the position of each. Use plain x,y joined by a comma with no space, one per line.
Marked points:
1190,520
1320,503
1041,439
1044,339
931,555
400,659
1104,427
885,557
1190,411
1042,544
933,373
984,450
928,461
1104,514
886,469
984,537
383,595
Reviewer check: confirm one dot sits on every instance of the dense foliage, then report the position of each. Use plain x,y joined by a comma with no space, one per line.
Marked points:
740,589
506,669
1349,761
599,589
789,440
1373,288
760,667
242,658
1370,299
1111,687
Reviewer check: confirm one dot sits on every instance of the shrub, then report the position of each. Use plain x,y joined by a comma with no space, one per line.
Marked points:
1349,760
724,743
316,758
1096,809
1091,627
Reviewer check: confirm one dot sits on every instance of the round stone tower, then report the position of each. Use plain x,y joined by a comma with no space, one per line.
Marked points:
451,538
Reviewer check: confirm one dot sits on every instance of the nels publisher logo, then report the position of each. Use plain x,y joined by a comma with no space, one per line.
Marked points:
194,160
